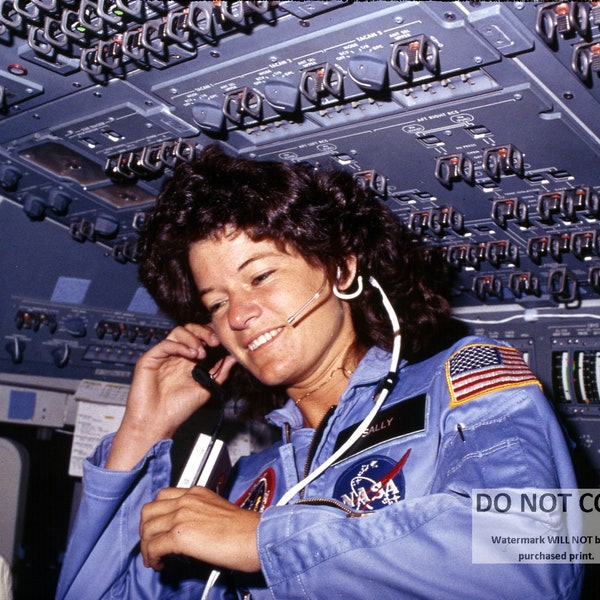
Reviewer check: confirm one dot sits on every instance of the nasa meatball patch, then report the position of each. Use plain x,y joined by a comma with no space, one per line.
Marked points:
372,482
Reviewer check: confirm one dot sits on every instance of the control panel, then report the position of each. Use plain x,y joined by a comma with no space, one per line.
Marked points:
476,122
70,314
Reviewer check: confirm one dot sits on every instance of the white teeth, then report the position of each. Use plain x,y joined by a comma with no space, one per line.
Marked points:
263,339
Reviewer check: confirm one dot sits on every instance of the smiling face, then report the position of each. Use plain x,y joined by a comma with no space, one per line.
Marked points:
251,290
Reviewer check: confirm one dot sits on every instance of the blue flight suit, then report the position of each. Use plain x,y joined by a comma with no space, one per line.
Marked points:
390,519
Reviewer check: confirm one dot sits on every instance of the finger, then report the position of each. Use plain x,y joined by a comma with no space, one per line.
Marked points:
166,525
220,371
170,540
155,541
170,346
203,332
170,493
155,521
187,337
196,338
167,501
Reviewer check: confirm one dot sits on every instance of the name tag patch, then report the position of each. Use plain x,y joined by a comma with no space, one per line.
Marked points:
396,421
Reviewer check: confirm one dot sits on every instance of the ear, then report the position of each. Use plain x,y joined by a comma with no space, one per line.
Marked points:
345,278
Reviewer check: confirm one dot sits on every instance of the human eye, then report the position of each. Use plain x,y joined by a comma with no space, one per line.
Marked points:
214,306
263,276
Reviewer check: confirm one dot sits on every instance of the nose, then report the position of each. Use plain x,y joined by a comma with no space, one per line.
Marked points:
243,309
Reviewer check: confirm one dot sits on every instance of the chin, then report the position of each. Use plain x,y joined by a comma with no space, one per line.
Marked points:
271,376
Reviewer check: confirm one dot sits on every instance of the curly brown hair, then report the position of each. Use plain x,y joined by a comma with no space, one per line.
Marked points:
324,215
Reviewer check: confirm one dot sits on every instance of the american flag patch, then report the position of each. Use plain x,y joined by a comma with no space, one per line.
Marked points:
481,368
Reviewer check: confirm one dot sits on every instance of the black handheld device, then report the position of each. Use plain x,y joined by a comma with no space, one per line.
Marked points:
201,370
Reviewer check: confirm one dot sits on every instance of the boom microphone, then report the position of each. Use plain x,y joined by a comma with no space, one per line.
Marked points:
307,304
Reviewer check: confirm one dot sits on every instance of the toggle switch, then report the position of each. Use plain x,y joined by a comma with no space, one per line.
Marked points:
537,248
118,167
372,181
153,36
125,252
549,204
134,8
71,26
500,251
241,103
173,151
502,160
454,167
54,34
563,285
321,81
457,255
89,16
524,283
27,9
88,61
487,285
418,221
110,52
10,17
199,18
476,254
109,13
446,217
573,201
132,45
562,18
506,209
413,54
583,244
82,230
585,60
176,26
594,278
559,244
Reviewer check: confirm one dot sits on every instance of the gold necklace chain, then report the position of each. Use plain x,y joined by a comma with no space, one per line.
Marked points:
347,373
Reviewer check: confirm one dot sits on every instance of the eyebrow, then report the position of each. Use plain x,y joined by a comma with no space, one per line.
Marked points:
246,263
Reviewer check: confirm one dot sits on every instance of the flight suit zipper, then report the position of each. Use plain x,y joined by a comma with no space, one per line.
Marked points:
314,443
335,503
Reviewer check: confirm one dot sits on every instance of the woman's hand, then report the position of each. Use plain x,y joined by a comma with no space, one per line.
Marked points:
200,524
163,393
